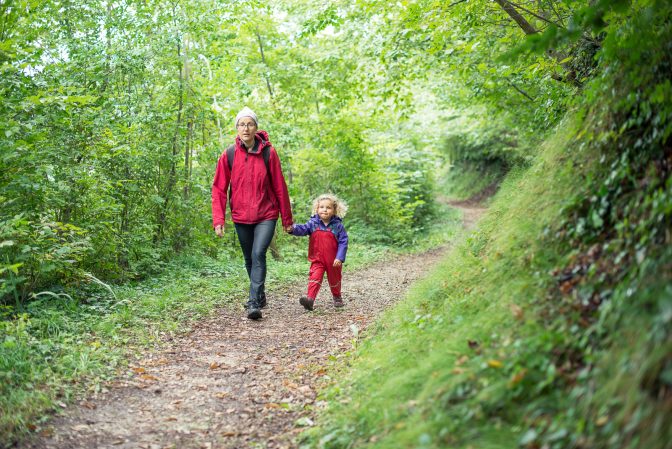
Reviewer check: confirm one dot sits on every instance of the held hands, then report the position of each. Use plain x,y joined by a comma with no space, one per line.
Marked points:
219,230
289,229
338,263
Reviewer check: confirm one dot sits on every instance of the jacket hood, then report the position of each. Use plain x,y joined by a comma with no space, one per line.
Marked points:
261,136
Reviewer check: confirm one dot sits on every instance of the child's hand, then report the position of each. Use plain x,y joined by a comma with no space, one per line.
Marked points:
338,263
289,229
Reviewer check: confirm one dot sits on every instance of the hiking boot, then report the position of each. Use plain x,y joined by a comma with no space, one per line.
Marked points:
338,301
307,303
262,303
253,312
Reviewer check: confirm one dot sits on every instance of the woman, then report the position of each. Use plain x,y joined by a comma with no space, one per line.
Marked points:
251,168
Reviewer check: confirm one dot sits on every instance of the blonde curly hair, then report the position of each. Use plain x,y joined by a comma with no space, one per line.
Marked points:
340,207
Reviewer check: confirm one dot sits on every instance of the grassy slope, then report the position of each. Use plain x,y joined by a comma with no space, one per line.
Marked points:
478,357
419,360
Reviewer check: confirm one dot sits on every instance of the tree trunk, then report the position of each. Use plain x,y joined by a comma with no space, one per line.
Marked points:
263,60
172,173
517,17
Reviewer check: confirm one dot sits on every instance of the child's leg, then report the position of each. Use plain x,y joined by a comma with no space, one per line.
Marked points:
315,279
334,276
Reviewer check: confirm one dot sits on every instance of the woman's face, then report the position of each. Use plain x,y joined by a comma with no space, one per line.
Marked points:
325,210
246,130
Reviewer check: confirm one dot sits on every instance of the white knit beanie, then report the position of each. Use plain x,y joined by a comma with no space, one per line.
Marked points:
247,112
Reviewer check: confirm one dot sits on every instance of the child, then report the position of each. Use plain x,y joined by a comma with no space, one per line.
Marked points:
327,247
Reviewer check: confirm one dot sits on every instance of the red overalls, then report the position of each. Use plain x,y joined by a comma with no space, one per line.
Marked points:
322,249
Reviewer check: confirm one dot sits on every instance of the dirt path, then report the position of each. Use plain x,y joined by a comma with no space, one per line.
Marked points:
236,383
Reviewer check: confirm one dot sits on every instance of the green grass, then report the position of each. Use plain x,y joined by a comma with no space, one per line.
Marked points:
59,349
481,354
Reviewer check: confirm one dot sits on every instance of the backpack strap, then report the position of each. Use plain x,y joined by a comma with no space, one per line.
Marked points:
266,154
230,152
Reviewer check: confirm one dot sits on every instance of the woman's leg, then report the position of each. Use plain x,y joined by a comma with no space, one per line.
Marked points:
245,233
254,241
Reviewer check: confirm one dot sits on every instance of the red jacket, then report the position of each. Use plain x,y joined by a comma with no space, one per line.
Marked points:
254,197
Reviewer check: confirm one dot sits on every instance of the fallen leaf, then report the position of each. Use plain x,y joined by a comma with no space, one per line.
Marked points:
215,365
271,405
566,287
602,420
139,370
289,384
148,377
462,360
518,377
517,311
494,363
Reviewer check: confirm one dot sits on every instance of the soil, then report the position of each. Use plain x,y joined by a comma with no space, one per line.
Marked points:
234,382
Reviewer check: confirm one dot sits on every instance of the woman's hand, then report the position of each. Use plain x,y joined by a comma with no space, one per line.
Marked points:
219,230
289,229
338,263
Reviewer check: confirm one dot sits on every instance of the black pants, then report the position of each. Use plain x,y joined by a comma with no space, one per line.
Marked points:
254,240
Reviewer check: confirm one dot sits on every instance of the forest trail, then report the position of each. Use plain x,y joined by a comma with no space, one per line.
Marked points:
237,383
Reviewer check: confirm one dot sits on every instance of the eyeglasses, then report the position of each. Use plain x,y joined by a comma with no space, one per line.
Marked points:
246,125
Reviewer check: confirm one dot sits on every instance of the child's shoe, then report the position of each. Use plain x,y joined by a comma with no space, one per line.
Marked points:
306,302
338,301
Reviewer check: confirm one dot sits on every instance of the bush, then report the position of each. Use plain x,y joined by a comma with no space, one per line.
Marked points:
36,255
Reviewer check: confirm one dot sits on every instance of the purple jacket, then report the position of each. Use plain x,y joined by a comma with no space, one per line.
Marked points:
335,226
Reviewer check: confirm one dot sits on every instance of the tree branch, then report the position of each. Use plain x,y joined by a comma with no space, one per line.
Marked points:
534,14
519,90
517,17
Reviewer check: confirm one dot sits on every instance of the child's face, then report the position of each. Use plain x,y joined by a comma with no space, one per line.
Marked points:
325,210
